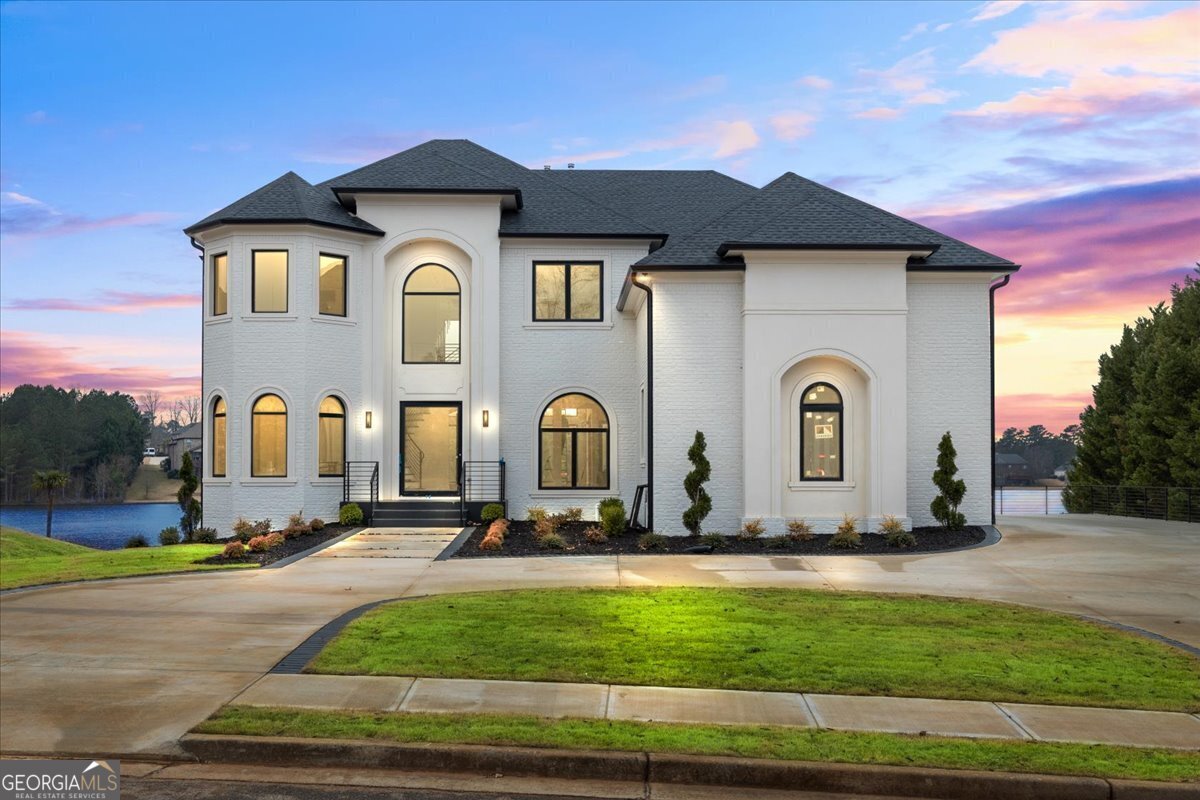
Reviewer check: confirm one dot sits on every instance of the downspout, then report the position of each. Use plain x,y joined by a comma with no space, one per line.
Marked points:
992,341
203,411
649,400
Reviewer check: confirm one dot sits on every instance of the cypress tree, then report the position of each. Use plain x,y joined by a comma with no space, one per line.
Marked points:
693,484
950,489
188,504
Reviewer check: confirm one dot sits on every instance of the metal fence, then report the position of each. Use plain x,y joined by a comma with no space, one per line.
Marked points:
1180,504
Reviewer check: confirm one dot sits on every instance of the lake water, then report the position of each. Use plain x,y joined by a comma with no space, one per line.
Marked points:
103,526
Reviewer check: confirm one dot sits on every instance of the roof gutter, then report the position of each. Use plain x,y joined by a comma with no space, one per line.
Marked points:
992,340
633,281
726,247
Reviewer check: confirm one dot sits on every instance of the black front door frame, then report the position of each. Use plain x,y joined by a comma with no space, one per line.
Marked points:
404,406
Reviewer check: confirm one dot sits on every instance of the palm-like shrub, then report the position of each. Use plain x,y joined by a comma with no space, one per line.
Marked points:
49,481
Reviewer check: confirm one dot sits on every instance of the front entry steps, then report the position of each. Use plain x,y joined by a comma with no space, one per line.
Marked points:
416,514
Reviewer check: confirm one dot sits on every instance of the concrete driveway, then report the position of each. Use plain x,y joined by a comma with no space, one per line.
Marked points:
127,666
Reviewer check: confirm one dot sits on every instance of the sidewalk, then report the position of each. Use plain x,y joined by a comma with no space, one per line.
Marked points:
964,718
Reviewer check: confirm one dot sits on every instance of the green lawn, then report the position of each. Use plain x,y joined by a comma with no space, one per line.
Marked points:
752,742
770,639
28,560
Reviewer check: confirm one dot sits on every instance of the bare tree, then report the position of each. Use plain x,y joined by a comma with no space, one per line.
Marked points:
149,402
189,409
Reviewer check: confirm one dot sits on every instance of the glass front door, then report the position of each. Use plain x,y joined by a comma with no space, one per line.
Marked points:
430,448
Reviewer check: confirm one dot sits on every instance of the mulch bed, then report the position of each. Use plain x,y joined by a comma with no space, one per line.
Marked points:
289,547
520,543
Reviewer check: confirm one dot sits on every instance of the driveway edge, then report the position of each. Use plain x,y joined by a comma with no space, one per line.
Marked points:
654,768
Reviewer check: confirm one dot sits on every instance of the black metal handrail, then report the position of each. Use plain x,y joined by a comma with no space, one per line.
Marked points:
481,482
360,484
1171,503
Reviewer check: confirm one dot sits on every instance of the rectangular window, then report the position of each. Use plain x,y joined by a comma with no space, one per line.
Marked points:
332,279
269,281
220,284
568,291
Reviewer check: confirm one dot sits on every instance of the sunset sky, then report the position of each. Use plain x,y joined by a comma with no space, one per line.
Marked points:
1061,135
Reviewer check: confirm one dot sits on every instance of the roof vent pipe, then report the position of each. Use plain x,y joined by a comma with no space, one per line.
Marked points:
570,166
546,166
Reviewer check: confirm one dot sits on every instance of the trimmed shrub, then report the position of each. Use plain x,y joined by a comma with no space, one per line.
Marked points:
612,518
552,541
572,514
350,514
498,528
951,490
168,535
491,512
258,544
595,534
777,542
847,536
901,539
890,525
234,549
262,527
799,530
274,539
317,524
610,502
752,529
693,485
535,513
297,519
716,541
491,542
243,529
652,541
205,536
137,540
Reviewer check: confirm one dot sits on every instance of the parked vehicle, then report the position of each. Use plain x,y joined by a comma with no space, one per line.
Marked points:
149,451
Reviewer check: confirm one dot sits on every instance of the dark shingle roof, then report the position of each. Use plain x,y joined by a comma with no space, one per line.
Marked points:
702,214
793,212
287,199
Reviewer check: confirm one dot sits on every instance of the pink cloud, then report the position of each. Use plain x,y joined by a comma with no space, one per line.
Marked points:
879,113
792,125
28,358
719,139
996,9
1092,98
1055,411
108,303
815,82
27,217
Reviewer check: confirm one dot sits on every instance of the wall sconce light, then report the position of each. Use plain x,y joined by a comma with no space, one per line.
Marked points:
485,418
368,420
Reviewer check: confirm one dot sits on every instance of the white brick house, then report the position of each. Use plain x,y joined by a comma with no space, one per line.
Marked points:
428,317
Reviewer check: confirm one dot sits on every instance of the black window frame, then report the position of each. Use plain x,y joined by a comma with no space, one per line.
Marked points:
404,295
220,399
345,285
286,425
287,282
342,416
542,430
213,289
566,265
839,407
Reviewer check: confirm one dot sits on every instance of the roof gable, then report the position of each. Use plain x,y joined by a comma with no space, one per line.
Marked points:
289,199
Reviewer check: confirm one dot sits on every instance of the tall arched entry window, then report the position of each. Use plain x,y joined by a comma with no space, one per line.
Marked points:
432,316
821,433
573,444
268,437
218,438
331,438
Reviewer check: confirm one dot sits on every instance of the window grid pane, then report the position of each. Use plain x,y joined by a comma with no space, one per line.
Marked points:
220,285
557,458
268,438
270,268
550,291
333,285
331,441
585,291
218,465
431,329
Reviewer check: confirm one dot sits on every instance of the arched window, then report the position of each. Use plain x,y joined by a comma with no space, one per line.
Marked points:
218,438
573,444
431,316
268,438
331,437
821,433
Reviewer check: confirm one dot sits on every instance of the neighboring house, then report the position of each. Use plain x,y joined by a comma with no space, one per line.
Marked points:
445,309
184,440
1012,469
1061,472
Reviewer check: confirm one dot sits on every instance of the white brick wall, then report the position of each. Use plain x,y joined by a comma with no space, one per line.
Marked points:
949,384
538,361
299,354
697,386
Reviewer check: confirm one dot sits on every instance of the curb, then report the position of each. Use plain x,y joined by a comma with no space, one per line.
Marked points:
656,768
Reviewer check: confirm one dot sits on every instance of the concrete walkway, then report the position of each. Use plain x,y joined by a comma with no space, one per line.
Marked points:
128,666
967,718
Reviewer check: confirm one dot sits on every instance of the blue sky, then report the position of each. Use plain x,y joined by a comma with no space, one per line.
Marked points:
122,123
